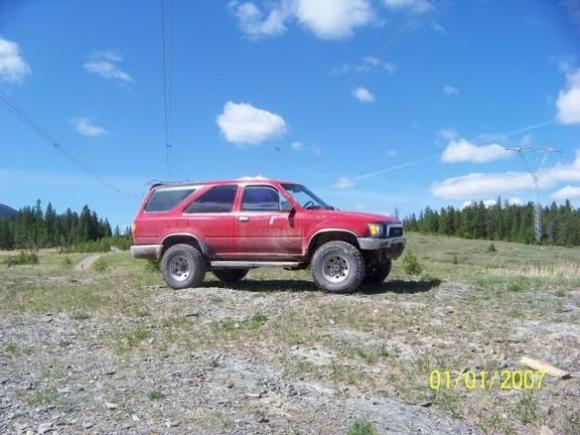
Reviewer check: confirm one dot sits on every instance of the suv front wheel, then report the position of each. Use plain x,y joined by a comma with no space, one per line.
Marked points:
183,266
338,267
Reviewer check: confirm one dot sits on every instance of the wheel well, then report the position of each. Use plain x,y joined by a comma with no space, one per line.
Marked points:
329,236
177,239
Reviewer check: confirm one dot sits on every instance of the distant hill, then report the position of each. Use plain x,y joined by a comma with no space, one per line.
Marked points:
6,211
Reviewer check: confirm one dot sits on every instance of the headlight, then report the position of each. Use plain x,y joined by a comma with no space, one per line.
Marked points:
376,230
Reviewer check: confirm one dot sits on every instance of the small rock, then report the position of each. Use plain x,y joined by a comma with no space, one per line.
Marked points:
45,428
88,424
193,314
172,423
110,372
135,417
111,405
425,404
263,419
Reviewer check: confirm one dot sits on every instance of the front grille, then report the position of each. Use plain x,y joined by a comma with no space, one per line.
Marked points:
395,231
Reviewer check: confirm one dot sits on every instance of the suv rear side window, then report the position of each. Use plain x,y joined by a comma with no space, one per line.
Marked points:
219,199
165,198
260,198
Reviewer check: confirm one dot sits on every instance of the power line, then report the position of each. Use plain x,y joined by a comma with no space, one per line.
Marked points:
40,131
166,67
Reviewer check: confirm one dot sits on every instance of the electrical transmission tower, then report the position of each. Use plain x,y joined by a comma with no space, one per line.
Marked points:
534,172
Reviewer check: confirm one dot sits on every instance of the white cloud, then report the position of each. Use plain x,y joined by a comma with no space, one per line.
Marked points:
450,91
366,65
568,103
85,127
244,124
567,192
461,150
363,95
13,68
439,28
327,19
297,146
344,183
515,201
415,6
255,24
478,185
333,19
447,133
104,64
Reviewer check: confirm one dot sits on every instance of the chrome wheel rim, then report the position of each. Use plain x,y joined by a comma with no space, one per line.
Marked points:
179,268
335,268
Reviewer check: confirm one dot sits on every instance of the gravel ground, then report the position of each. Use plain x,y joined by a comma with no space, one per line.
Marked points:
61,376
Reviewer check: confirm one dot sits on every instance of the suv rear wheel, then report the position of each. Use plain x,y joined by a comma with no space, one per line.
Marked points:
230,276
338,267
183,266
377,272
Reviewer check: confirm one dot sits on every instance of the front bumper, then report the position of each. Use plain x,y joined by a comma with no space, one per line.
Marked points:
146,251
393,246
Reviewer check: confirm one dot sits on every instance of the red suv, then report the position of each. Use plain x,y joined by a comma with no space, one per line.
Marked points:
229,227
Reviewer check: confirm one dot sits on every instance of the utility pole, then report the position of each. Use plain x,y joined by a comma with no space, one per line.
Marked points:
534,173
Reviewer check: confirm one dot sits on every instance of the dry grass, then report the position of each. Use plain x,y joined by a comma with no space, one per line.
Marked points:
470,308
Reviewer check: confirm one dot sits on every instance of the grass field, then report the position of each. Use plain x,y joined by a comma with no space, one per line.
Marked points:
101,348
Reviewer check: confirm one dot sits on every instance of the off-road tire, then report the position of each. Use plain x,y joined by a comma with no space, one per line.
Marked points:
192,263
377,272
350,255
230,276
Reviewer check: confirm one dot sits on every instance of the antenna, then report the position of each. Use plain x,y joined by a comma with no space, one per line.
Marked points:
535,173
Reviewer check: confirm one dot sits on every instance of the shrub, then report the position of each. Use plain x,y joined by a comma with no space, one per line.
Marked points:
29,257
67,262
257,320
491,248
361,427
152,265
101,265
155,395
411,264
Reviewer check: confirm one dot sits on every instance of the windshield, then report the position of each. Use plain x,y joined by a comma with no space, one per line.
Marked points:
305,197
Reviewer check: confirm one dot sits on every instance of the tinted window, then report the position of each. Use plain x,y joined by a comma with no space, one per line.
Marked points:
260,198
219,199
166,198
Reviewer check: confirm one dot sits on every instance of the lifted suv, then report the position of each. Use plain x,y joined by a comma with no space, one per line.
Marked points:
229,227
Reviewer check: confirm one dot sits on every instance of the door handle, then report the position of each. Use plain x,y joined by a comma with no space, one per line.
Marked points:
243,218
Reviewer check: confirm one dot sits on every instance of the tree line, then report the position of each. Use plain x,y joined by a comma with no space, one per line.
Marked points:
34,228
502,221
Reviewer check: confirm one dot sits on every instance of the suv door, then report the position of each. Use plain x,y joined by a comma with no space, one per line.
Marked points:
262,228
210,217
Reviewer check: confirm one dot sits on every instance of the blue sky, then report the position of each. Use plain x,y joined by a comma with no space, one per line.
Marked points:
374,104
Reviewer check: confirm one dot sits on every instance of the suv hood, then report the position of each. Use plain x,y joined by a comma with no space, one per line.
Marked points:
357,216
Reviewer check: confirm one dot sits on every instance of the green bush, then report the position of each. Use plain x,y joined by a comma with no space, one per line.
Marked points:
29,257
411,264
101,265
101,245
491,248
362,427
152,265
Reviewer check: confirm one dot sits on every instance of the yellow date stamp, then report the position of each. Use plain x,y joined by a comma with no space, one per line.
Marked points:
484,380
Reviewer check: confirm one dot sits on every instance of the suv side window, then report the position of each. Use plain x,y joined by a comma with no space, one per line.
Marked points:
219,199
165,198
260,198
